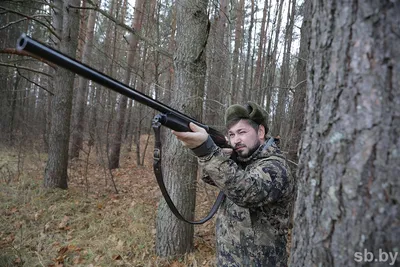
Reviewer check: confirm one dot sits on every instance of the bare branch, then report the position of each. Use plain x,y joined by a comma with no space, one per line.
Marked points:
287,88
294,163
38,85
129,29
20,20
291,55
32,18
23,53
25,68
18,2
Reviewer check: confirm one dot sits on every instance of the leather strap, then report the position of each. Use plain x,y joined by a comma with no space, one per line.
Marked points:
160,180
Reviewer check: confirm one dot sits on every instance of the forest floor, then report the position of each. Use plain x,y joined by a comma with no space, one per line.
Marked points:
89,224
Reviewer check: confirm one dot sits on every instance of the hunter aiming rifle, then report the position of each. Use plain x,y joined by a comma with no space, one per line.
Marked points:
169,117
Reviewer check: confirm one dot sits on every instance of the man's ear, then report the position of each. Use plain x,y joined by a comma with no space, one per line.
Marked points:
261,131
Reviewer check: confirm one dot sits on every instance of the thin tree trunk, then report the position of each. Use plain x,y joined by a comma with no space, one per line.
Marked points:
83,84
261,47
348,197
217,88
117,140
284,81
57,164
238,43
297,118
246,90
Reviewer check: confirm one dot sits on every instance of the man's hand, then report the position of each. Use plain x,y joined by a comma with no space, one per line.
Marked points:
192,139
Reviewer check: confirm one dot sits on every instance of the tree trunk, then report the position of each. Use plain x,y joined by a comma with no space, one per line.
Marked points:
246,79
297,118
83,84
271,66
347,208
236,51
175,237
284,81
57,164
116,143
217,52
261,47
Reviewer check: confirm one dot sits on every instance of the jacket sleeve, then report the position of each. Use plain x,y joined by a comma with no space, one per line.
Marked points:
266,182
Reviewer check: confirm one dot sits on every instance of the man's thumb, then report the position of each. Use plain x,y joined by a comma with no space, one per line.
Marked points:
194,127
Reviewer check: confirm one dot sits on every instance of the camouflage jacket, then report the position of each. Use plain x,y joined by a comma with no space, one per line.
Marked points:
253,221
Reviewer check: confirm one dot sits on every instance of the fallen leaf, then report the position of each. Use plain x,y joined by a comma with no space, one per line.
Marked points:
63,224
117,257
62,250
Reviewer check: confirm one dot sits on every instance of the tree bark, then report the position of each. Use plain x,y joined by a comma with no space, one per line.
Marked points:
57,164
83,84
175,237
348,197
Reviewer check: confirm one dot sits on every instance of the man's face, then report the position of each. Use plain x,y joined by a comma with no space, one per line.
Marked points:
245,139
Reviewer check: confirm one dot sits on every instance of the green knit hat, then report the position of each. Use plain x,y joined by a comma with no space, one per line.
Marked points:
251,111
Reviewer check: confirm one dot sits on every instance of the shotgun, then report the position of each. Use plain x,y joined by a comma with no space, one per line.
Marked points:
169,117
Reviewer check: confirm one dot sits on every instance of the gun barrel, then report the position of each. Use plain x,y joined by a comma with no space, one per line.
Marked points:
25,43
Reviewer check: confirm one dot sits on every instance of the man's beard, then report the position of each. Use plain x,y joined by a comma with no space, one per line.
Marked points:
251,150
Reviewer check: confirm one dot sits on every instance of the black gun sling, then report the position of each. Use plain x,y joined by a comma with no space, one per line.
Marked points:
160,180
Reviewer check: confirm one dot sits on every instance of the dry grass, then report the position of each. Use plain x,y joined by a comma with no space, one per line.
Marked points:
88,224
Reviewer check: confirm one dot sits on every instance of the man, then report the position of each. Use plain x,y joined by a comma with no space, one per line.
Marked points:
253,221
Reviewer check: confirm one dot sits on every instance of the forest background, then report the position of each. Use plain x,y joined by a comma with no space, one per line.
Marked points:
61,131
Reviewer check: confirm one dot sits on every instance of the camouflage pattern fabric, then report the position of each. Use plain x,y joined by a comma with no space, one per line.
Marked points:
253,221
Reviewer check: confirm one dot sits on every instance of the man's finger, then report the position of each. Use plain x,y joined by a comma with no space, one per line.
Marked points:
184,135
195,128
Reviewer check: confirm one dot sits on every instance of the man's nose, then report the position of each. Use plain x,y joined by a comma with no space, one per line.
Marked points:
236,140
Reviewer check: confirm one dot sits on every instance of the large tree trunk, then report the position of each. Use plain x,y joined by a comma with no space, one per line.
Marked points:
180,166
347,208
57,164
